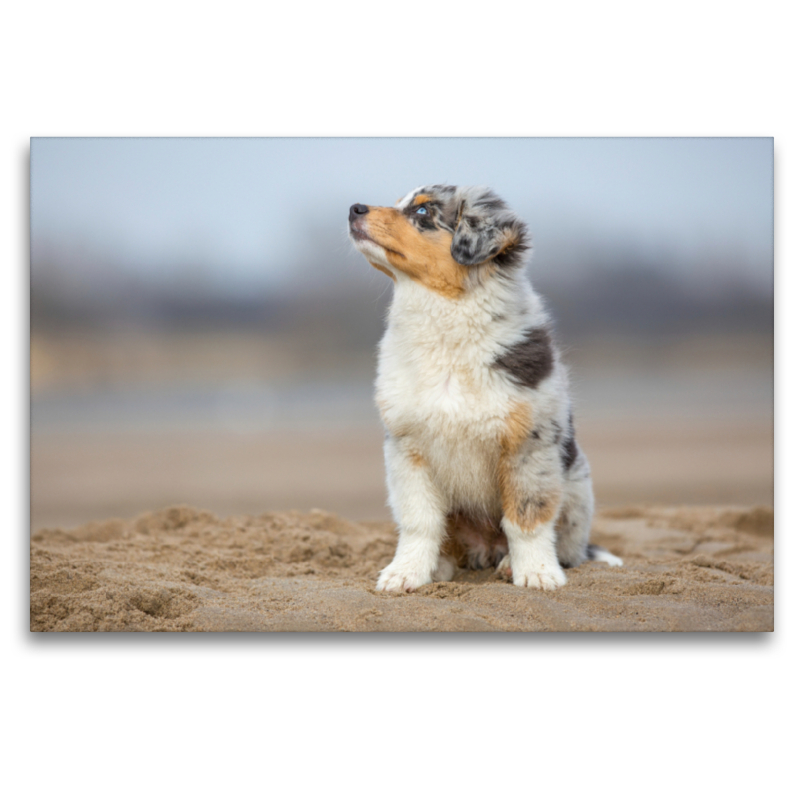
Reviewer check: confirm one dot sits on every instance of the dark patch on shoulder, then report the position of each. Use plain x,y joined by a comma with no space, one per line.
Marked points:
530,361
569,448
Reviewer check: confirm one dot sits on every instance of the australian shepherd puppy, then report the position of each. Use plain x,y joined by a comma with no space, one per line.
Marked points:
482,465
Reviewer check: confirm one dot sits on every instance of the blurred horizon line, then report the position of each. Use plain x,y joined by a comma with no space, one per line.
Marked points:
624,298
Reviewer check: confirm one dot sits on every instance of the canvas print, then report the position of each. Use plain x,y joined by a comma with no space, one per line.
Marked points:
413,384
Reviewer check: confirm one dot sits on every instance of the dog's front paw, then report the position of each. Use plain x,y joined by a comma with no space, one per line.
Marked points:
403,578
540,576
548,578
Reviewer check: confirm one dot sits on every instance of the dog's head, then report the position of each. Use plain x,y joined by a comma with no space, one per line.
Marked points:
438,235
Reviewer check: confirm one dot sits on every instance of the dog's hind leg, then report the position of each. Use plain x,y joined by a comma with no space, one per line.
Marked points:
575,523
577,509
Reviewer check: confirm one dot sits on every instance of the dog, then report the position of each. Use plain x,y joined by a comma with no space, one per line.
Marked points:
482,466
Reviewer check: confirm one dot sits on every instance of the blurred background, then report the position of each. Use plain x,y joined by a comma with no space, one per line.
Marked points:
202,331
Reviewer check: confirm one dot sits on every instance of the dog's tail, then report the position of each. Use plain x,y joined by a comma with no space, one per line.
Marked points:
596,553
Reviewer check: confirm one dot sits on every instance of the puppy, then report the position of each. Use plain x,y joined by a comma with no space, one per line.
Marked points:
482,465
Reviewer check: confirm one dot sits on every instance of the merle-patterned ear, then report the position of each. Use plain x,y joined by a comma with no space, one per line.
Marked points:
486,229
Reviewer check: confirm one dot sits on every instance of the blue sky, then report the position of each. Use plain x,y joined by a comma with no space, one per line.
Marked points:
254,211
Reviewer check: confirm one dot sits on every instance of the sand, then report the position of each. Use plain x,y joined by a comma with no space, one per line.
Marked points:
180,569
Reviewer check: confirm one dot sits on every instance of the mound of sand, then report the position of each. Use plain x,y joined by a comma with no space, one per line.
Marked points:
179,569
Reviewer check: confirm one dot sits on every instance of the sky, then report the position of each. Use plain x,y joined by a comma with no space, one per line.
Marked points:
257,212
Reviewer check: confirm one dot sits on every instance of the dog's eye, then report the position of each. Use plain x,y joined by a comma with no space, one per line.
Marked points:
422,211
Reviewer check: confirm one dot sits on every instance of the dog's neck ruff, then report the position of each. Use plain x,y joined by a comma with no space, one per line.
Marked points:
491,311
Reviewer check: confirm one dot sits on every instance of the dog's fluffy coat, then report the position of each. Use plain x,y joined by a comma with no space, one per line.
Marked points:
482,465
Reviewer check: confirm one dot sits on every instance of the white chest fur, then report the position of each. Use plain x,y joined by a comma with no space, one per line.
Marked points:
438,391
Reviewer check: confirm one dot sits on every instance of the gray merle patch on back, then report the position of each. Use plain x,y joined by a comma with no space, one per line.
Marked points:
530,361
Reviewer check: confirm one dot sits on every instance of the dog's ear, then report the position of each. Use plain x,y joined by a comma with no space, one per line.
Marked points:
486,229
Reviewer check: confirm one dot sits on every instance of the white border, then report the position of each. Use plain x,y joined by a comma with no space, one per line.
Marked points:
406,716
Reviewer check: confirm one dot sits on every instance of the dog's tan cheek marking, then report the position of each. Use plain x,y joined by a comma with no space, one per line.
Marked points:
424,258
520,509
427,259
382,225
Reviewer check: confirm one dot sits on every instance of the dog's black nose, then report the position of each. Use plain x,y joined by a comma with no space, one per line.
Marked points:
357,210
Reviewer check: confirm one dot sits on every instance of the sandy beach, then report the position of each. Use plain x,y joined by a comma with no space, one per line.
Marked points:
182,569
680,439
